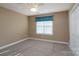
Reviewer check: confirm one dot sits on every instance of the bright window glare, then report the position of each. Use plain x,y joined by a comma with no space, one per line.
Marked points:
44,27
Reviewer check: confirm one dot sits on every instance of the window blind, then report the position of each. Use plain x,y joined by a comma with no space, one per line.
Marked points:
44,18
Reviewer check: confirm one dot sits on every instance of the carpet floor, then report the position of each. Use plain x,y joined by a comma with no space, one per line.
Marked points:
37,48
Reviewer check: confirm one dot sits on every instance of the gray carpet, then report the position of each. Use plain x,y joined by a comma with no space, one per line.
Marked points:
36,48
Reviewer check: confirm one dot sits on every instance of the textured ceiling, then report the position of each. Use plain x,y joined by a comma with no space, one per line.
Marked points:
43,8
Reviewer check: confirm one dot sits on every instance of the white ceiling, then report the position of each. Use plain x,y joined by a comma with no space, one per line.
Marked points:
46,8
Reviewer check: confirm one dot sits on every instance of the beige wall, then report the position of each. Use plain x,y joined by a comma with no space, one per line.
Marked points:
61,29
13,26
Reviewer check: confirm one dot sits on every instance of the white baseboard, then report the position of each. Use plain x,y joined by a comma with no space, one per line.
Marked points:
8,45
49,40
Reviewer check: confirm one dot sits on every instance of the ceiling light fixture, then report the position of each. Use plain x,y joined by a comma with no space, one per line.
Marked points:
32,6
33,9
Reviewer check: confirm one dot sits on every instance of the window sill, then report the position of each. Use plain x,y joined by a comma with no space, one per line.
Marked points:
44,34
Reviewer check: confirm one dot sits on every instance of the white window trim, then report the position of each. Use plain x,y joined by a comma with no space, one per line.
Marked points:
43,30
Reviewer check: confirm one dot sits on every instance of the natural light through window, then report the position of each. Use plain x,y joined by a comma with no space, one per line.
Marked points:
44,27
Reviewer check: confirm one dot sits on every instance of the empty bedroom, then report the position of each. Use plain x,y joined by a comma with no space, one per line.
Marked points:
39,29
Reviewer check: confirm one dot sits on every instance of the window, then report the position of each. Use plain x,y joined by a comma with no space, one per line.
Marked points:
44,25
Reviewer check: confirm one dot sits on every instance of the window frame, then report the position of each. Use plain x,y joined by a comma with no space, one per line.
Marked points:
44,29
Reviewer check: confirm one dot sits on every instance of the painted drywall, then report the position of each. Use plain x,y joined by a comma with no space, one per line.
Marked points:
13,26
74,29
60,27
